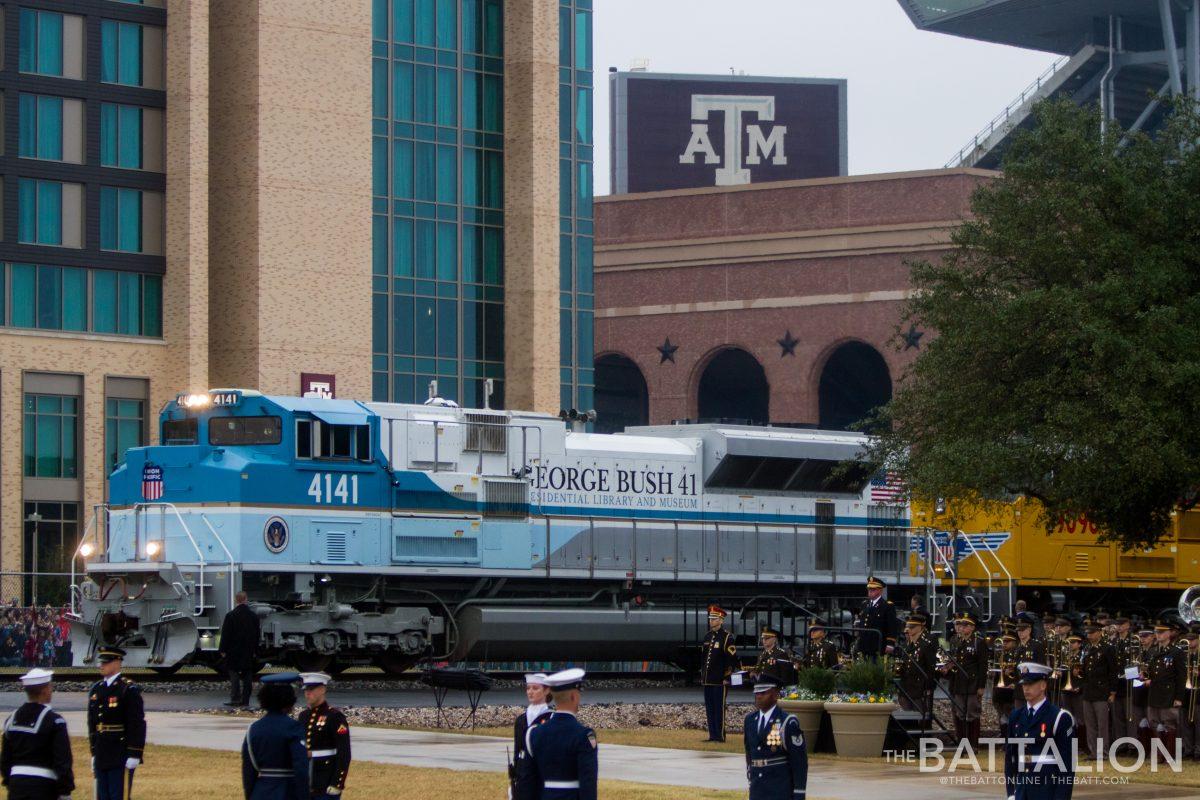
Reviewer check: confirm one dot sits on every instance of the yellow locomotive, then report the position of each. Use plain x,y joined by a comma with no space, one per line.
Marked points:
982,548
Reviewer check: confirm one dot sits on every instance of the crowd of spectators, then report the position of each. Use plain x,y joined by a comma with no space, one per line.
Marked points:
34,636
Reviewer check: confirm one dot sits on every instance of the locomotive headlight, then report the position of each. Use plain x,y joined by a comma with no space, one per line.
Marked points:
86,549
196,401
153,549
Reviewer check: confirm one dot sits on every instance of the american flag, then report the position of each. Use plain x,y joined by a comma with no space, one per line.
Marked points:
886,487
152,482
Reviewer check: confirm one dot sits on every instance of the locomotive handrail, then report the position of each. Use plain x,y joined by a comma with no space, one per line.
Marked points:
228,555
137,509
439,423
979,554
932,552
89,530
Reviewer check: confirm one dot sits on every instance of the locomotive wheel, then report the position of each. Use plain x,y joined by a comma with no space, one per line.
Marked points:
394,663
311,662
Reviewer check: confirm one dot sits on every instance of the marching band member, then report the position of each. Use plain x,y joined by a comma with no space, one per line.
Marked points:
774,660
1097,672
1167,676
916,660
820,651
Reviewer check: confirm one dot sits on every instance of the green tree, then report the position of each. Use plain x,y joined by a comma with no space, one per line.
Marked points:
1066,361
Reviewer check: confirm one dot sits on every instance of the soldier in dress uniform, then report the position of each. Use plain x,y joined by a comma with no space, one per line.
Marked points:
916,665
1140,694
35,755
522,777
878,615
274,758
1072,698
1038,759
1189,724
327,737
820,651
1029,648
1167,675
1126,649
776,754
1004,680
1097,673
718,660
564,751
967,670
774,660
116,727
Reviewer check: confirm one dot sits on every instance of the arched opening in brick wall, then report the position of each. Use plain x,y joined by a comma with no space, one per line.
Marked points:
854,382
622,399
734,386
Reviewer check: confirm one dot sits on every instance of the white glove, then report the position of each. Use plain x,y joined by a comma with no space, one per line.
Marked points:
93,763
131,763
333,790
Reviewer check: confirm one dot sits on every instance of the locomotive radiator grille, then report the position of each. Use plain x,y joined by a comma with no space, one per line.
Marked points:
506,498
436,547
486,432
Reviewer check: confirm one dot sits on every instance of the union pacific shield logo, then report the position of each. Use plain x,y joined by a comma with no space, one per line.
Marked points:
152,482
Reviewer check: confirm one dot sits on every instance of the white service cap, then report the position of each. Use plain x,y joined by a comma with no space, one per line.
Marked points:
314,678
567,679
37,676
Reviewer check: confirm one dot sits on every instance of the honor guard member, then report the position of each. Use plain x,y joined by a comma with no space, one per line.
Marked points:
878,615
564,751
1097,674
274,759
820,651
327,737
967,671
774,660
916,665
35,754
718,660
776,755
1005,679
1038,761
522,777
116,727
1167,677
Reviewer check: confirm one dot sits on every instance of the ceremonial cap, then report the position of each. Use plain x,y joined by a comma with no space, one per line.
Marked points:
766,683
1062,621
1093,627
36,677
875,583
536,679
1008,637
314,679
1032,672
716,612
816,625
770,632
967,617
916,619
1074,637
567,679
1163,625
1145,632
281,677
106,654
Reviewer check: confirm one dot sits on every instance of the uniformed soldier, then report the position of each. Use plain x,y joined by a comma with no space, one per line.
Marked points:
1097,674
1189,725
1004,679
116,727
820,651
1167,676
718,660
1126,649
776,754
1139,709
522,777
877,615
967,672
1029,648
774,660
274,758
35,754
327,737
1072,690
564,751
916,665
1038,759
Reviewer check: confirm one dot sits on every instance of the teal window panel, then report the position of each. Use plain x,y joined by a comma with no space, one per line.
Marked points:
402,388
124,428
493,179
566,337
74,299
564,395
447,58
425,250
403,129
584,301
447,24
472,103
584,152
472,254
565,191
404,364
129,307
471,291
404,208
379,166
404,52
379,361
424,23
51,436
39,212
49,298
583,115
379,49
583,40
564,36
40,127
3,293
583,78
494,369
585,341
447,136
564,114
402,90
587,396
379,387
379,283
494,294
425,133
379,87
120,219
104,301
493,333
379,322
565,300
379,243
120,136
472,26
447,289
120,52
447,213
403,342
402,168
564,224
493,256
472,184
447,251
424,210
424,91
494,218
23,279
379,127
447,97
402,247
424,55
447,174
471,214
425,171
493,106
379,19
403,286
447,367
585,226
152,305
493,28
447,332
565,263
425,322
564,75
583,190
402,20
583,264
41,42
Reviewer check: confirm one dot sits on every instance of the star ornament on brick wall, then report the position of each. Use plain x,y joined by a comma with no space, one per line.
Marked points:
666,351
912,339
788,345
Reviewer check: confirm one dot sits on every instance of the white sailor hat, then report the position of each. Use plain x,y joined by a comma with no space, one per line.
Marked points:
567,679
1031,672
536,679
314,679
37,676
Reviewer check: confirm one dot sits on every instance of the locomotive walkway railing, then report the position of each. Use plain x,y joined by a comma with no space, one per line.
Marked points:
483,444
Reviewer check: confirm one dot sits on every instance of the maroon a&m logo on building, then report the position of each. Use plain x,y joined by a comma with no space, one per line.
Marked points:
318,385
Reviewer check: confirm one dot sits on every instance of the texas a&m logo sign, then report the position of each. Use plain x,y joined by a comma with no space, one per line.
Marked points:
734,111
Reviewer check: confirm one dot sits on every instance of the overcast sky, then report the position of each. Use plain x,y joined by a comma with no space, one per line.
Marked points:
915,98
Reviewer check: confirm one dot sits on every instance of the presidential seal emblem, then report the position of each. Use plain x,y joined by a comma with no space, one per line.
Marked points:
276,535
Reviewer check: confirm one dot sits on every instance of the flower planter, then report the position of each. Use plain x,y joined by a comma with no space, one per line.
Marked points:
860,728
808,712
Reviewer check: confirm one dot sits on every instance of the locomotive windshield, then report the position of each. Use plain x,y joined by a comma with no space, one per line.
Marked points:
228,431
179,431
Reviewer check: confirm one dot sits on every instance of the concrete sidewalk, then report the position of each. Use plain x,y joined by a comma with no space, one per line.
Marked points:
828,778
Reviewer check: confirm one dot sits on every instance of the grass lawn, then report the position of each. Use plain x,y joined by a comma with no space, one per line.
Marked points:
186,773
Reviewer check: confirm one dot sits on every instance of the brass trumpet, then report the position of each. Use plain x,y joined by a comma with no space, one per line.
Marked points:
1003,665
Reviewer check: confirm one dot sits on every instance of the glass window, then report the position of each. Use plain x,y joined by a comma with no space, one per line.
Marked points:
402,325
447,174
564,36
471,109
39,212
152,305
340,442
447,251
120,219
129,307
104,301
40,126
379,19
50,436
120,52
425,23
402,90
379,88
425,171
379,322
379,244
565,261
124,427
493,165
402,247
41,42
425,326
493,332
493,28
425,249
447,24
423,95
447,333
493,256
51,536
233,431
583,116
472,34
23,278
583,263
583,40
583,190
120,136
402,20
49,298
180,431
3,293
564,111
493,103
565,337
402,168
585,343
379,166
447,97
564,187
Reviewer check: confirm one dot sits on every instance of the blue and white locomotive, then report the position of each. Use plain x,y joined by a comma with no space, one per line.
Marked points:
390,533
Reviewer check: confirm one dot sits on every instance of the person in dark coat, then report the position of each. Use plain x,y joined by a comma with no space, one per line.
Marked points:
718,660
327,737
116,727
878,622
564,752
776,754
35,754
274,759
238,647
522,776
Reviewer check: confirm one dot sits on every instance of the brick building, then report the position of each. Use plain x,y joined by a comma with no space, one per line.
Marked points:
768,302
